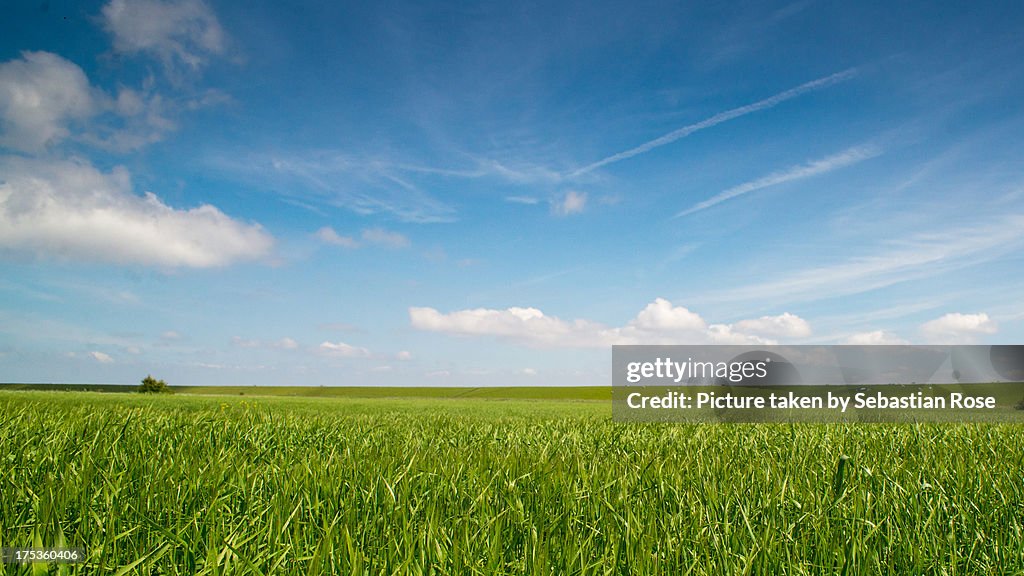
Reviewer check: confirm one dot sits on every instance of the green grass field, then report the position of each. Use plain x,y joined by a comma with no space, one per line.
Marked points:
234,484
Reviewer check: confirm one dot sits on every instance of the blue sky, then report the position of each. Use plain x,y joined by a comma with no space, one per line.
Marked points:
491,194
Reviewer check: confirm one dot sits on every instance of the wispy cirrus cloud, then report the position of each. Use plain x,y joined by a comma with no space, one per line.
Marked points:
370,185
527,200
825,165
720,118
369,236
329,178
865,320
913,257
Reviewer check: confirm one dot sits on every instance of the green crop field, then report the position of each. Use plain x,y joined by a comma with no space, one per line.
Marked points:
476,485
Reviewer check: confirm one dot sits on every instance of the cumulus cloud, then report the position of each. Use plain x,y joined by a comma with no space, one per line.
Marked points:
177,32
45,99
343,350
70,210
957,328
726,334
101,357
512,322
660,315
40,94
658,323
404,355
370,236
44,96
875,337
785,325
572,202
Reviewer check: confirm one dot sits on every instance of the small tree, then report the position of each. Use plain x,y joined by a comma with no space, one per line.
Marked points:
152,385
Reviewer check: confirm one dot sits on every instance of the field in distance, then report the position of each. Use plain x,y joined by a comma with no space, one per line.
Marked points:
517,392
197,484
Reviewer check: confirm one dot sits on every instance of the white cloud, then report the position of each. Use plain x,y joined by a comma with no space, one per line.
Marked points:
133,119
957,328
365,186
385,238
527,200
404,356
282,344
845,158
519,173
912,257
46,99
343,350
286,344
327,235
724,334
660,315
875,337
244,342
785,325
183,31
482,321
101,357
40,94
572,202
70,210
658,323
528,371
370,236
719,118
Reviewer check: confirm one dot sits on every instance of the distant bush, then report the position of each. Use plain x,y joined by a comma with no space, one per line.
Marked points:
152,385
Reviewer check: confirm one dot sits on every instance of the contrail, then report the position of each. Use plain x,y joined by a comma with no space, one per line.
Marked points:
721,117
846,158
